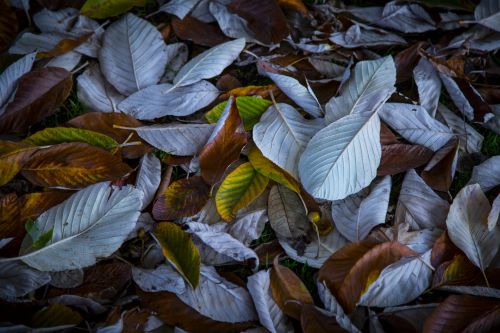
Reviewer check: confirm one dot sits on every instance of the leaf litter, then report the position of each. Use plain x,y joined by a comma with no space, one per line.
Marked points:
249,166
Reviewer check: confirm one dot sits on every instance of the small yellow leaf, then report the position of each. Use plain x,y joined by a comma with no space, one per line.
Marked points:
101,9
238,189
179,250
271,170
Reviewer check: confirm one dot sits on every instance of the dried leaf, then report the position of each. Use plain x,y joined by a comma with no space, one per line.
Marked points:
440,170
13,156
190,28
400,157
55,135
103,9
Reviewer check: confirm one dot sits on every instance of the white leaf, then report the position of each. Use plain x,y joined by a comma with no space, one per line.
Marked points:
179,8
55,21
457,96
29,42
468,229
359,213
17,279
487,174
162,278
333,306
361,35
177,139
301,95
270,315
343,157
248,227
177,54
230,24
95,92
220,248
326,68
148,178
419,206
68,61
494,214
367,89
487,13
10,76
415,124
219,299
209,63
91,224
428,84
166,100
400,282
282,135
133,54
470,139
316,253
287,214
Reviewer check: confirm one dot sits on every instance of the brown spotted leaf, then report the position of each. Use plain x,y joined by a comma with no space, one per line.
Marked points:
184,197
73,165
224,145
38,95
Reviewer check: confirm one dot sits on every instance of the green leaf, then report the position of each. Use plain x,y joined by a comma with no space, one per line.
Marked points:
55,135
179,250
238,189
38,239
100,9
250,108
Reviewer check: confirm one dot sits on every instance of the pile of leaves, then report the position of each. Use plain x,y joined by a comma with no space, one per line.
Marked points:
249,166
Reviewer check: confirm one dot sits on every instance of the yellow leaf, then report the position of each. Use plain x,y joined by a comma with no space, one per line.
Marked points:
238,189
179,250
101,9
271,170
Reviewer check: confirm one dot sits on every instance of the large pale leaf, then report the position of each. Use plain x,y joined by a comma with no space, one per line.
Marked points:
17,279
166,100
162,278
11,75
419,205
179,250
487,174
333,306
219,299
428,84
176,139
282,135
415,124
209,63
148,178
238,189
91,224
369,87
487,13
468,229
362,35
343,157
399,283
180,8
270,315
304,97
357,214
95,92
133,54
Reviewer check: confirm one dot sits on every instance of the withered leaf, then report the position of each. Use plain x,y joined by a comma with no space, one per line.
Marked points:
224,145
8,24
38,95
73,165
401,157
439,172
184,197
190,28
13,156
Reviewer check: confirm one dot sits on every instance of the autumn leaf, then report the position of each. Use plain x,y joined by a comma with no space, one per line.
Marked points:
179,250
184,197
8,24
238,189
55,135
13,156
101,9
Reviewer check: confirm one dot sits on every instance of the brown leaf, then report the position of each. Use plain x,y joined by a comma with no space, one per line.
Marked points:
228,82
38,95
296,5
350,271
9,217
459,271
443,250
288,290
8,25
397,158
13,156
34,204
55,315
489,322
406,60
262,91
169,308
190,28
101,282
224,147
387,137
103,122
264,17
313,320
268,251
73,165
184,197
439,172
481,108
457,312
134,320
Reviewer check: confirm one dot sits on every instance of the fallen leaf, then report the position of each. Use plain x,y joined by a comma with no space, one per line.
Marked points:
400,157
316,320
8,25
13,156
103,9
440,170
55,135
199,32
